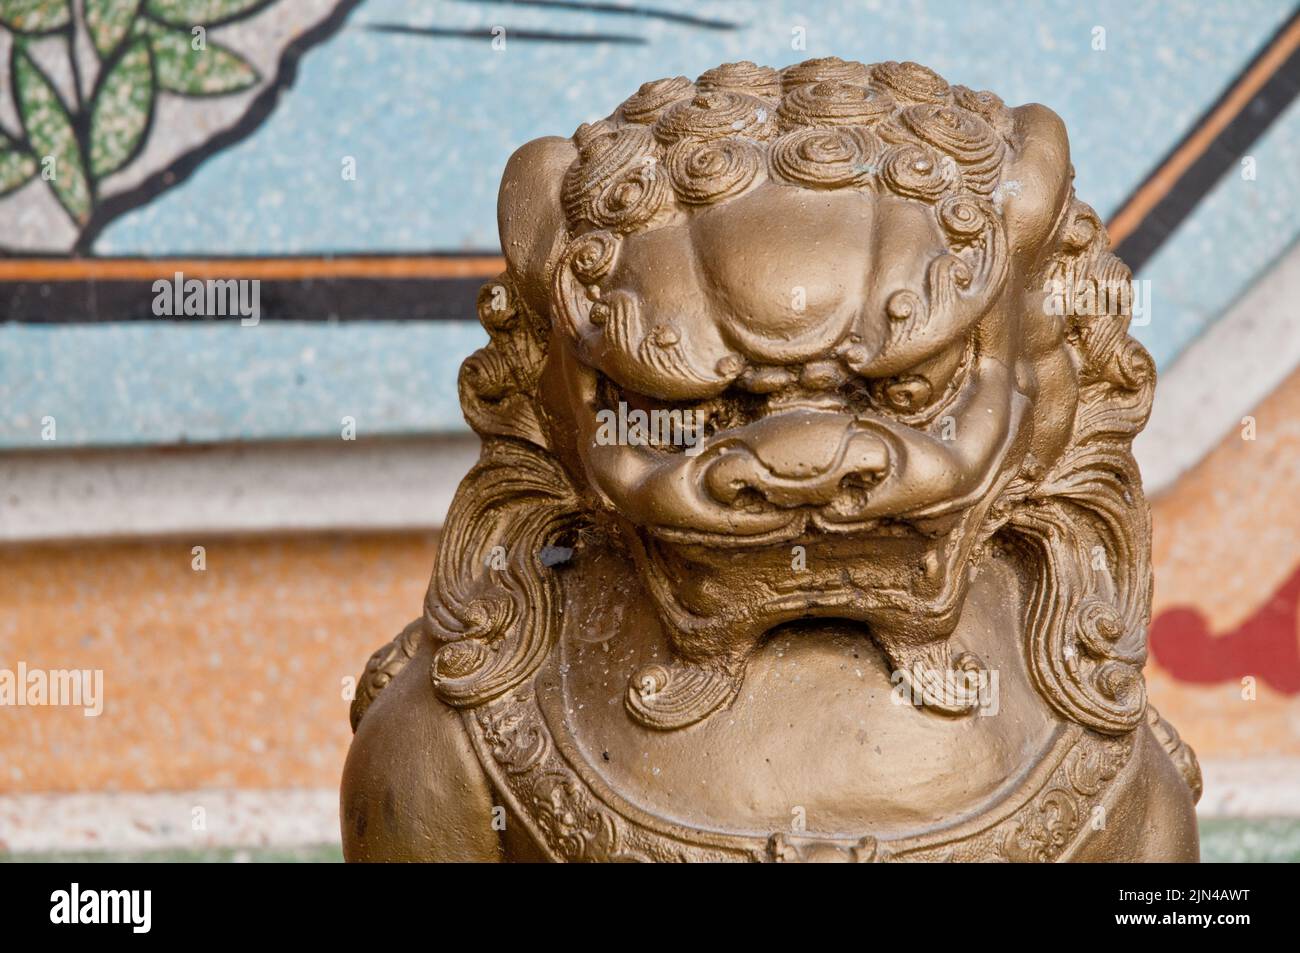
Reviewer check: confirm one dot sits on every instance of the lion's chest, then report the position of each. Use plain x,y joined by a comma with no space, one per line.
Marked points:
817,741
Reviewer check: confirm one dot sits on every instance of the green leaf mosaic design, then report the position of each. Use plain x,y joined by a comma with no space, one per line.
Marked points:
35,16
16,165
212,71
201,12
122,109
108,21
50,131
144,48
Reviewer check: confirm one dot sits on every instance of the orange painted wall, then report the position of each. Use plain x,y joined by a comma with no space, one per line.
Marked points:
231,677
1226,541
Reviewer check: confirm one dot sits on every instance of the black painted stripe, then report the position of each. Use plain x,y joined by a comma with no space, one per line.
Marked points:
317,299
452,33
618,9
1222,154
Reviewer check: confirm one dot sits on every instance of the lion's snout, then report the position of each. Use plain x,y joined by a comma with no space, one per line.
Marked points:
796,458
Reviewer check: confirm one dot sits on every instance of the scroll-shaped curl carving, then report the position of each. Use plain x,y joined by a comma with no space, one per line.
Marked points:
1131,386
1087,659
904,305
1097,626
1116,374
912,83
987,105
1086,527
823,70
633,198
1080,232
667,697
593,255
497,383
833,104
382,667
984,102
1056,817
1046,831
1183,756
713,171
964,136
743,77
937,681
918,172
830,158
496,625
617,182
966,221
717,115
649,102
578,305
969,223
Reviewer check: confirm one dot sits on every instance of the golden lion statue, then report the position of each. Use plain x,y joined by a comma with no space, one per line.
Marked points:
806,525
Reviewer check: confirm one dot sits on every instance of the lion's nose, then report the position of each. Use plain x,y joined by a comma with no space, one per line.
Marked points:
797,458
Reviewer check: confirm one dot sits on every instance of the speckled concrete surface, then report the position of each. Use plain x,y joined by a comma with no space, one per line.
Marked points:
298,486
232,677
156,383
431,120
1223,376
316,854
1261,842
196,820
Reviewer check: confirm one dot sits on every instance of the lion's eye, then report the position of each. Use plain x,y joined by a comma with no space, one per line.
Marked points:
906,395
917,396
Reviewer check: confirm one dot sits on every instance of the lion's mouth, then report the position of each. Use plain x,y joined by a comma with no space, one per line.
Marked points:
809,526
793,529
891,567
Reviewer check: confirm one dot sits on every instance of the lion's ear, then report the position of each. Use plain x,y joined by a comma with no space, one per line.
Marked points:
1041,173
530,218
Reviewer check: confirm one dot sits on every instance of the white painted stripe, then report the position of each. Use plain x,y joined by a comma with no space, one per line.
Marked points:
1249,788
1223,376
169,819
394,483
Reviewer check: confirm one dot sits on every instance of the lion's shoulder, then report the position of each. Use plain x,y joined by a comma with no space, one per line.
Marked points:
413,788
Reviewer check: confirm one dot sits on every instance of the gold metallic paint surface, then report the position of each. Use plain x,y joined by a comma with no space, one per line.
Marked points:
914,475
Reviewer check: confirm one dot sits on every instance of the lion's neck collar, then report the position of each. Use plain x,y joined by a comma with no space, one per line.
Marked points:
561,746
572,813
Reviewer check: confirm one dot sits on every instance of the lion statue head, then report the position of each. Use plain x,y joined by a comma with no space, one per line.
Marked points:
805,343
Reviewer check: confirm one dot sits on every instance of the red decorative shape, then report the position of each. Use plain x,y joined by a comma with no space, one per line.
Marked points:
1265,645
